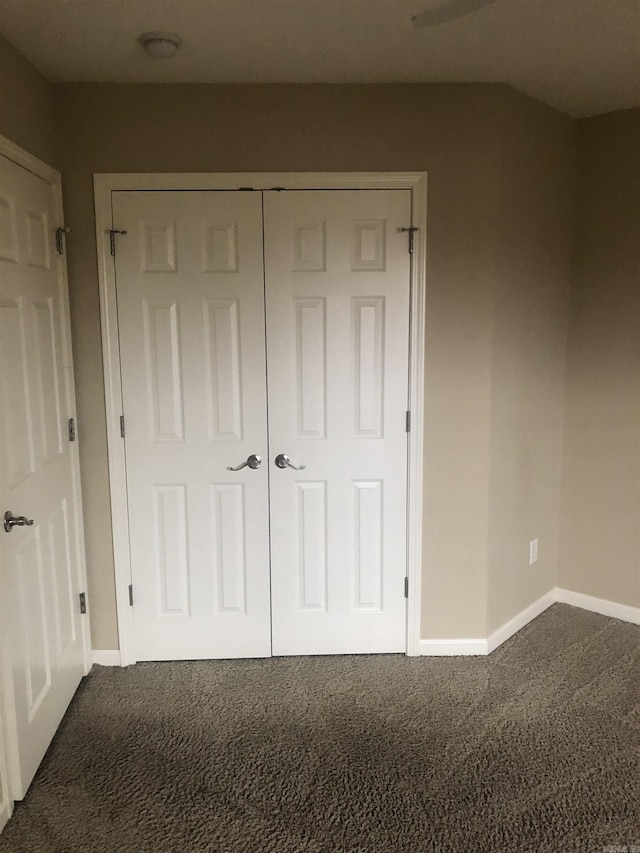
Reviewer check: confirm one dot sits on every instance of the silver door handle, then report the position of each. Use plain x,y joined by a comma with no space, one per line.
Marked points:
253,461
11,521
283,461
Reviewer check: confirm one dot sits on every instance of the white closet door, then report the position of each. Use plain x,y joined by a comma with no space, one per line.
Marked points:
191,321
42,639
337,289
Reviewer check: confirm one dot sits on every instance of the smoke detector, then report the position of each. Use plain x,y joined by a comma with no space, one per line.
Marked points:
160,45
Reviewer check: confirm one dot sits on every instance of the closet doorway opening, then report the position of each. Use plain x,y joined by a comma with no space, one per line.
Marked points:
262,341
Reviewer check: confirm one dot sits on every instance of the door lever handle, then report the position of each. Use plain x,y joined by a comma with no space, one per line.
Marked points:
253,462
283,461
11,521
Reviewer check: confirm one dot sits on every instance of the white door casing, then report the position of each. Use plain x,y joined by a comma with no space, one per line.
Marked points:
191,316
45,641
337,274
105,185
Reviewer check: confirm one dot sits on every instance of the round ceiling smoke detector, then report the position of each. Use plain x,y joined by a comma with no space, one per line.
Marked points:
160,45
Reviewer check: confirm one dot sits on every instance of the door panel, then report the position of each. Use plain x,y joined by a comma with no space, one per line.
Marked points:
191,322
60,556
18,446
50,417
337,295
33,653
41,631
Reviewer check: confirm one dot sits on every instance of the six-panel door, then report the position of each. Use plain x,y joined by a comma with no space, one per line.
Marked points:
337,286
222,560
41,631
191,320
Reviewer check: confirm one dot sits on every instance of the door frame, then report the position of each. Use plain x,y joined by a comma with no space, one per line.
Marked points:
31,163
104,185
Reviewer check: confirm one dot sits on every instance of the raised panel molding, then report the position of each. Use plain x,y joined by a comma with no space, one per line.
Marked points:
224,379
162,348
172,561
368,359
32,608
368,526
48,388
64,599
220,248
158,247
8,231
310,361
17,450
369,245
309,247
312,545
38,243
229,547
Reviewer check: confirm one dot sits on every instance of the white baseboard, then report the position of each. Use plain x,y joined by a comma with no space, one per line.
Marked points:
443,647
5,813
502,634
447,648
106,657
599,605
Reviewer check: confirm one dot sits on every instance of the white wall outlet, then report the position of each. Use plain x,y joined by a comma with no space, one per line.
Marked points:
533,551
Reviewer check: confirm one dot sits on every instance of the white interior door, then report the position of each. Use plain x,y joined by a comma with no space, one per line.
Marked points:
222,560
337,288
42,634
190,292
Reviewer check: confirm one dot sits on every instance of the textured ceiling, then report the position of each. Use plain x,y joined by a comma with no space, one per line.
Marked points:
581,56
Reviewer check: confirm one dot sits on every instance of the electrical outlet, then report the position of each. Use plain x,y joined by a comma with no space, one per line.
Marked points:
533,551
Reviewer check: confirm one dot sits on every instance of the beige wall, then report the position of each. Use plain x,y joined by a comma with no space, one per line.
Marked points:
495,291
501,176
27,108
530,299
448,130
600,547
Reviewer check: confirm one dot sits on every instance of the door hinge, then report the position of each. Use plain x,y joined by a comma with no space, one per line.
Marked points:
112,239
83,602
60,239
131,595
410,231
407,422
406,587
121,426
72,429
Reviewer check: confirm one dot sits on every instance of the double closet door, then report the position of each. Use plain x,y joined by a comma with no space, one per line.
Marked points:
264,357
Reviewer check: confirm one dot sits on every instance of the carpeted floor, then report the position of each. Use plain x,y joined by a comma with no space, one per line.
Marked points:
535,748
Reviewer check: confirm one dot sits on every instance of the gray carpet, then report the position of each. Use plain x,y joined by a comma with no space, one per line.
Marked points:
534,749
